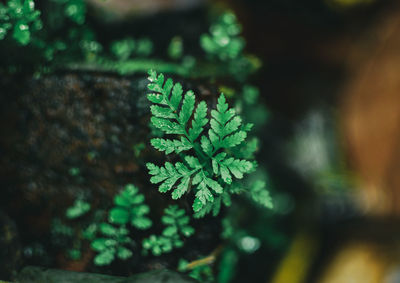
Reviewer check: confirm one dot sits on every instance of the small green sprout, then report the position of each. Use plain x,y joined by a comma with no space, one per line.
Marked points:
75,10
214,169
79,208
224,41
177,225
111,245
122,49
129,207
125,48
176,221
260,194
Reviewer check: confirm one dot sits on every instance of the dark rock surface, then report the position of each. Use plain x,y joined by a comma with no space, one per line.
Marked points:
68,135
10,247
32,274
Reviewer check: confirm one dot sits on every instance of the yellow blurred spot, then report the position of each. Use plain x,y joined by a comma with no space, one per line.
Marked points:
349,3
294,267
227,91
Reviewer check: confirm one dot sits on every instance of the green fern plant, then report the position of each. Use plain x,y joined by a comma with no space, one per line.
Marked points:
112,244
129,207
177,227
212,173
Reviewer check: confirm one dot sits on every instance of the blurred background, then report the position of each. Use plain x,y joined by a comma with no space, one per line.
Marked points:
329,77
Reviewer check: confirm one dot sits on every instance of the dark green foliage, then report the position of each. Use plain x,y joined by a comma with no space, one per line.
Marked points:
79,208
75,10
112,244
260,195
224,44
224,41
128,47
21,18
129,207
214,168
176,227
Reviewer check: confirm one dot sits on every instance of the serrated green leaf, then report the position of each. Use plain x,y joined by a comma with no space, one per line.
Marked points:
155,97
238,166
121,201
214,185
108,229
199,121
182,221
123,253
216,206
104,258
260,194
137,199
141,223
170,175
99,244
234,139
187,231
170,146
202,210
140,210
232,126
203,194
193,162
187,107
119,215
197,205
162,112
169,231
206,145
167,126
167,220
181,188
176,95
78,209
166,89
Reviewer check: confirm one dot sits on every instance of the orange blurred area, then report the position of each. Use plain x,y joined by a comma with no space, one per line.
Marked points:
370,119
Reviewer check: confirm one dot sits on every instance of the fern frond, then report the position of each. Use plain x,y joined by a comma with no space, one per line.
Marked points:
170,146
171,174
176,113
205,186
260,194
199,121
177,225
129,207
226,167
226,130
